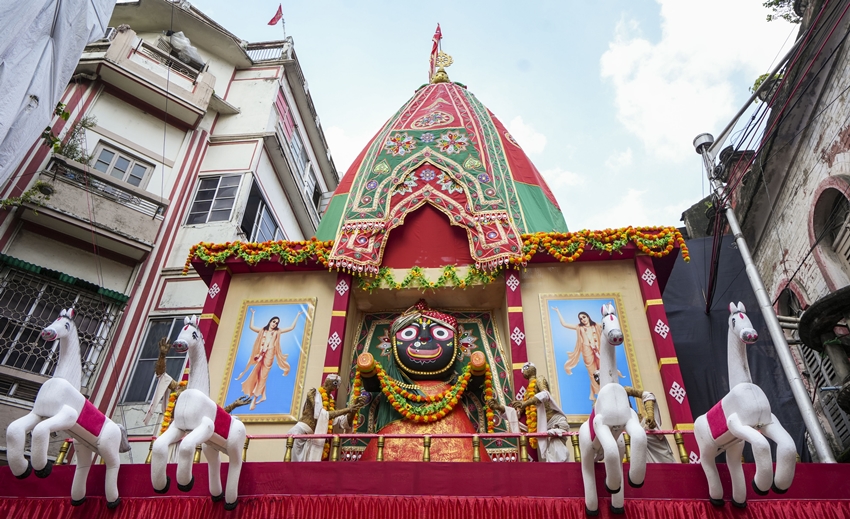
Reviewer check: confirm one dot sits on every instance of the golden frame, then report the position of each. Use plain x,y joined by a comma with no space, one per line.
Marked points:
554,374
242,344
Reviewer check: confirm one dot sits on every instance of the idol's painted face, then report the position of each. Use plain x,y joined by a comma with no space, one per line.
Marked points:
425,347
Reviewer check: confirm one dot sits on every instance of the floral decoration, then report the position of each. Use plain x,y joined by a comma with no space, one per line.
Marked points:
427,174
531,412
400,144
565,247
329,405
426,137
169,409
452,142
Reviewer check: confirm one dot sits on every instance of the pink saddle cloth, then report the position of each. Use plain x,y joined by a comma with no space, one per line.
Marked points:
91,419
717,420
222,422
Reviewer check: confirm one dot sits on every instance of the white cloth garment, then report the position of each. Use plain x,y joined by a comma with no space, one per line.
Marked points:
310,450
554,448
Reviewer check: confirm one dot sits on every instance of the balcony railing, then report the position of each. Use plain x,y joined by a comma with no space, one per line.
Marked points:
97,183
338,454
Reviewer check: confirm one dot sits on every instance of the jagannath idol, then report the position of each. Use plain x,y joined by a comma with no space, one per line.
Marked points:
426,385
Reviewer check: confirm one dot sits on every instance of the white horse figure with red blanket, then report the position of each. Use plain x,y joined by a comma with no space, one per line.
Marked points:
198,420
59,406
743,415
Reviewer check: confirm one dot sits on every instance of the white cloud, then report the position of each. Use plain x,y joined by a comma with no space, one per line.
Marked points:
557,178
685,84
344,148
620,160
531,140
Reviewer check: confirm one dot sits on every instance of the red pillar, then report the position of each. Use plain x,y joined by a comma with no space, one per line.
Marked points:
336,333
516,329
665,352
214,305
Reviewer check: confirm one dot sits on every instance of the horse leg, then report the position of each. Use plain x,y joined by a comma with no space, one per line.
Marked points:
736,473
588,461
109,444
786,455
707,458
761,452
85,457
637,465
618,498
234,470
613,461
63,420
186,452
159,459
16,438
214,467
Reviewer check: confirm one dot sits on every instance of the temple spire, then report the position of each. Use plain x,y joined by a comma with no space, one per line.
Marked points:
438,59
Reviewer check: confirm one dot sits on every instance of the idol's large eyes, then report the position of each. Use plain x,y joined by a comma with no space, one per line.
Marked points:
442,333
407,334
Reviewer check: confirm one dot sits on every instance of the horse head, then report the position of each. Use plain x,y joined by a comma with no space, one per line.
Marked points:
190,336
740,324
611,325
62,327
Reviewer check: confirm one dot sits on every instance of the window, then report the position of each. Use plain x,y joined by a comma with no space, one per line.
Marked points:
143,382
122,166
29,302
259,223
299,152
214,200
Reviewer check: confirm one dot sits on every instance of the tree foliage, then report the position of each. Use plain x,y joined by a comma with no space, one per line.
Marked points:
782,10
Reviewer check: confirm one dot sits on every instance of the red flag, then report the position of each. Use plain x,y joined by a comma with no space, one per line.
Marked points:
438,35
277,16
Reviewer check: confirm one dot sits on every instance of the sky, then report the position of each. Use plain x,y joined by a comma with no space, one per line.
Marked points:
604,97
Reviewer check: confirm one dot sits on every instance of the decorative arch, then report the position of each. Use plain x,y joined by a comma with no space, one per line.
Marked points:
832,190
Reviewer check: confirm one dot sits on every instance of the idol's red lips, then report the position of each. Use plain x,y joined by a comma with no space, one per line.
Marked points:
424,354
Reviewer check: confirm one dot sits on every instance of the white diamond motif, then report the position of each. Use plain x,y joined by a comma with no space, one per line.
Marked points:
649,277
512,282
693,457
334,341
214,290
677,392
342,287
662,329
517,336
520,395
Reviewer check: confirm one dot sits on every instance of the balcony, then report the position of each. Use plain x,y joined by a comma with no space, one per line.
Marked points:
150,77
124,218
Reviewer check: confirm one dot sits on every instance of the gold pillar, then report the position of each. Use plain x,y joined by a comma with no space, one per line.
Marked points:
426,448
680,443
476,443
523,448
380,456
576,447
150,452
628,442
63,452
197,458
335,448
245,449
289,443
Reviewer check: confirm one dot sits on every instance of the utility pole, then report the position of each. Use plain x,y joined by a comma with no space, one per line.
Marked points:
703,144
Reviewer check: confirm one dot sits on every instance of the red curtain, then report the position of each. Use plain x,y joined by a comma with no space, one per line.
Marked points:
394,507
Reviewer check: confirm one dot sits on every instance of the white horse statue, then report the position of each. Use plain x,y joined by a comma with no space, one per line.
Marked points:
59,406
739,417
199,421
600,437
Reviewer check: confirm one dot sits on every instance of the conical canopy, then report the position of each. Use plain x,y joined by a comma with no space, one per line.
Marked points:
445,149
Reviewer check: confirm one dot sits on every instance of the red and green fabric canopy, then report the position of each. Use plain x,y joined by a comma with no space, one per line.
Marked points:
443,149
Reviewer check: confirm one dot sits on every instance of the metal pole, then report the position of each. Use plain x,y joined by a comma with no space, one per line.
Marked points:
822,448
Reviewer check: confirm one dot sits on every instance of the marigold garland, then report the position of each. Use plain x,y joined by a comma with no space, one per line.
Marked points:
565,247
169,409
356,389
329,405
436,407
531,412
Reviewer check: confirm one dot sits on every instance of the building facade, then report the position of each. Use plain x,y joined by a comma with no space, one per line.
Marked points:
180,133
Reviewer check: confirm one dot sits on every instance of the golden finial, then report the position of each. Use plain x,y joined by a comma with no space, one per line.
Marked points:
443,60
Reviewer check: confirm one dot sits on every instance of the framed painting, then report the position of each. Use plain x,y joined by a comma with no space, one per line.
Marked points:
268,359
572,335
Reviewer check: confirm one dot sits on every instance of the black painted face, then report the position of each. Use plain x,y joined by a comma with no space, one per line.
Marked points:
425,347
